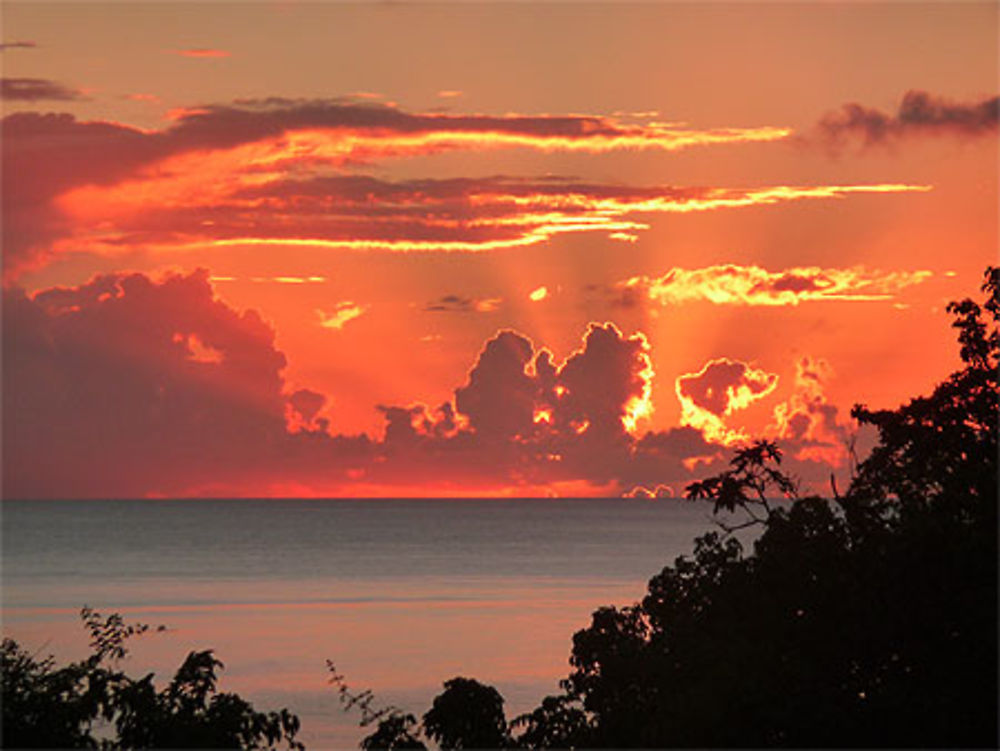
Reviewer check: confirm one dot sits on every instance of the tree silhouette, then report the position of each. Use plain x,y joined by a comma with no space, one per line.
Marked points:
467,715
45,706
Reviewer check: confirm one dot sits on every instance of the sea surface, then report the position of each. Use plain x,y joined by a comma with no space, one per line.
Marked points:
400,595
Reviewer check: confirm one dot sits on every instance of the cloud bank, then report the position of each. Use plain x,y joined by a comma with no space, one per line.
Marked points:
277,171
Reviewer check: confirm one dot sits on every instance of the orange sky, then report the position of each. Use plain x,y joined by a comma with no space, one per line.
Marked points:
324,230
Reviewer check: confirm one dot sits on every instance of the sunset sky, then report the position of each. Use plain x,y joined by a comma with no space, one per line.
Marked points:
283,248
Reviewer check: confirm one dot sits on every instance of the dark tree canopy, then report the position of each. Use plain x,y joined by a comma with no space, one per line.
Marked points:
467,715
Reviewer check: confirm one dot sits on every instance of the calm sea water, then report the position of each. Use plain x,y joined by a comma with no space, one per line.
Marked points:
400,594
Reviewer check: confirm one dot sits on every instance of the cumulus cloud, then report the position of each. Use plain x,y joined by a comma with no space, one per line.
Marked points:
128,385
807,423
36,90
720,388
919,114
103,393
731,284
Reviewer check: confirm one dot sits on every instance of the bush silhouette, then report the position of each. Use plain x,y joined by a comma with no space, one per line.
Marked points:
45,706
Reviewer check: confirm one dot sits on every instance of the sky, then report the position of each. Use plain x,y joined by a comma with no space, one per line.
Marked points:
394,249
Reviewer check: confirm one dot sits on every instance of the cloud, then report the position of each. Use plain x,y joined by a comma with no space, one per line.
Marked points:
129,385
104,394
920,114
807,423
109,188
449,94
16,45
201,52
731,284
720,388
499,399
36,90
208,154
459,304
341,314
303,410
355,212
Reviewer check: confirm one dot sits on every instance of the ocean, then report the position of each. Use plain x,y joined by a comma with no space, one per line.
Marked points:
400,595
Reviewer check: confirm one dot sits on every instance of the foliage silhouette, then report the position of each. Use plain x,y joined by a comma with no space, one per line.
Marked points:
394,728
45,706
467,715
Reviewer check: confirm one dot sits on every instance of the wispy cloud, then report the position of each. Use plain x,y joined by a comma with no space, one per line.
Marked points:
36,90
363,213
203,52
731,284
458,304
4,46
342,313
196,170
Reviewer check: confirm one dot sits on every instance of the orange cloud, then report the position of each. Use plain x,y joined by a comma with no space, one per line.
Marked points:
176,208
103,186
807,422
340,315
732,284
720,388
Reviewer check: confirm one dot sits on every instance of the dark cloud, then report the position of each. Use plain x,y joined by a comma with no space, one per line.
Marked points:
919,114
459,304
724,385
500,397
305,406
36,90
126,386
792,282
